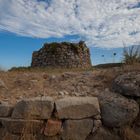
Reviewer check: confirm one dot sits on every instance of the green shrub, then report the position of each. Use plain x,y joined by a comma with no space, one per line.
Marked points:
131,55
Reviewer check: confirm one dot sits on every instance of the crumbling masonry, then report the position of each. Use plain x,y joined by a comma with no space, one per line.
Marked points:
62,55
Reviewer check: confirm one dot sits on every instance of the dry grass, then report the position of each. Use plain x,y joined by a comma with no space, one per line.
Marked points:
36,82
48,70
127,133
131,55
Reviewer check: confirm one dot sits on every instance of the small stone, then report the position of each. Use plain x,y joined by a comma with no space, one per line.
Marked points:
97,117
66,93
53,127
97,123
45,76
61,93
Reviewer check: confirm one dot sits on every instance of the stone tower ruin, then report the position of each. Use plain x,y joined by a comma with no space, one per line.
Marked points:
62,55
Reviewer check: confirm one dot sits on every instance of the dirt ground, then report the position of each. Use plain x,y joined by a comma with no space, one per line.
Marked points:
16,85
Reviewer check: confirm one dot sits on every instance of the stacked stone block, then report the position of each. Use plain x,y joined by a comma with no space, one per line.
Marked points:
73,118
62,55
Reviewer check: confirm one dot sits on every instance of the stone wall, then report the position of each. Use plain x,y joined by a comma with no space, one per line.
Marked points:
64,55
71,118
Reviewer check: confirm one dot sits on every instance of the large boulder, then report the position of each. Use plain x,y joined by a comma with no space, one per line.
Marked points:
117,110
128,84
77,129
35,108
77,107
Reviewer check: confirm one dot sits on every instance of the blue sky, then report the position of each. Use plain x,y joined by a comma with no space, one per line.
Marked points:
17,51
103,24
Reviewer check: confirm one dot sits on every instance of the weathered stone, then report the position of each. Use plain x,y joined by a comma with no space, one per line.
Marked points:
17,126
103,134
5,110
128,84
117,110
77,107
77,129
36,108
53,127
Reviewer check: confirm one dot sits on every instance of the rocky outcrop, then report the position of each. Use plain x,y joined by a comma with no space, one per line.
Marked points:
128,84
64,55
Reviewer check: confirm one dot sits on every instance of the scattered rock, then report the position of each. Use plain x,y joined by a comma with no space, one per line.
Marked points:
53,127
128,84
37,108
77,129
77,107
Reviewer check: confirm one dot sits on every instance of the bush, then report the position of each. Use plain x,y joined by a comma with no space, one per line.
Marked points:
131,55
